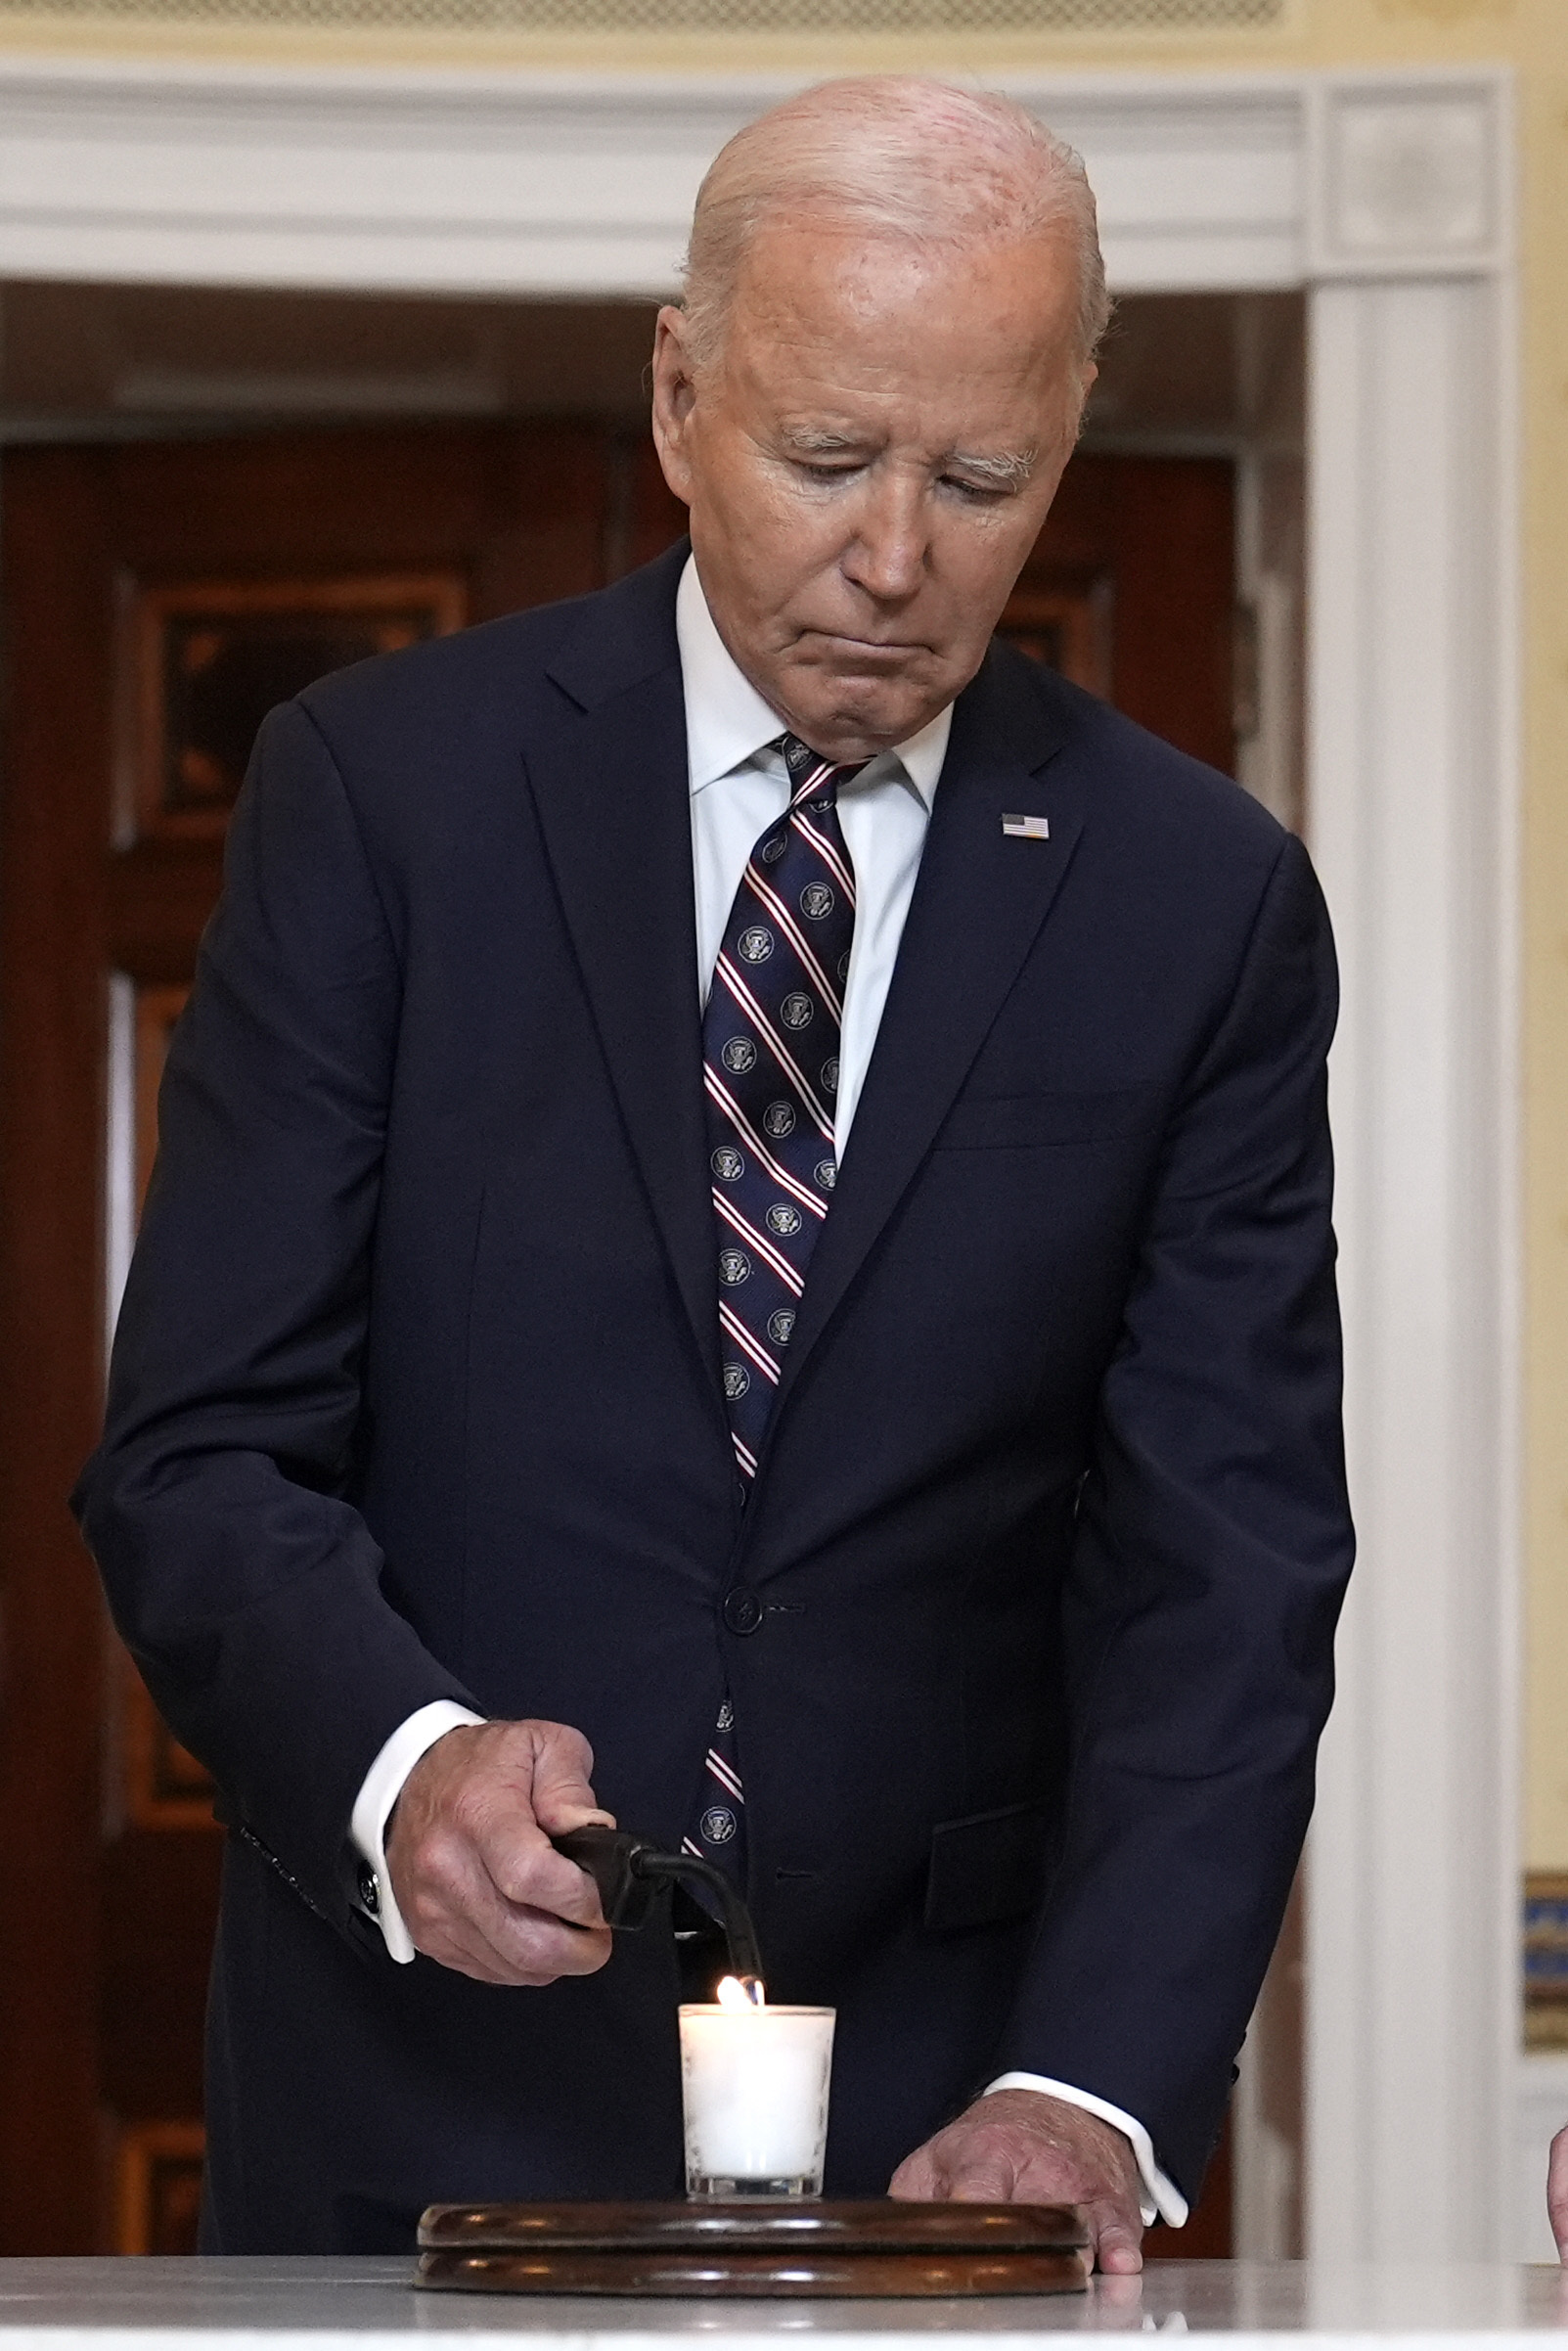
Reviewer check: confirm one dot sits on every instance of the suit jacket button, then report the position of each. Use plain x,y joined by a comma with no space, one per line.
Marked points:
743,1610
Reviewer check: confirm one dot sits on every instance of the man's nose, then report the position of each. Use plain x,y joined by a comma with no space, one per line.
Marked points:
887,555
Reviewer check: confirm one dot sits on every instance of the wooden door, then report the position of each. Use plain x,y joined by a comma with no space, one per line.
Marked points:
156,600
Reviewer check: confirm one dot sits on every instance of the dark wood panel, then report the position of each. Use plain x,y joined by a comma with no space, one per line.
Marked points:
159,895
158,1008
523,514
158,2186
53,819
161,1786
657,519
158,1898
1158,535
1067,626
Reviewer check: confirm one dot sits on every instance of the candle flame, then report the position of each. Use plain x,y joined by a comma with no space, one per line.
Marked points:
741,1992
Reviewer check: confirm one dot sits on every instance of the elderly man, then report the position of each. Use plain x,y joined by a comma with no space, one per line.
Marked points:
741,1237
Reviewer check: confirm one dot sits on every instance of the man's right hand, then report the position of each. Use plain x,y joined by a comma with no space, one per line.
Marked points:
478,1882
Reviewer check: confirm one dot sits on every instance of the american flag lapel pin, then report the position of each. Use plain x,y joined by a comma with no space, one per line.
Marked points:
1026,828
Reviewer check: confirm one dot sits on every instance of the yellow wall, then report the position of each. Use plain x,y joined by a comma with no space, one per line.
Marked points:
1532,35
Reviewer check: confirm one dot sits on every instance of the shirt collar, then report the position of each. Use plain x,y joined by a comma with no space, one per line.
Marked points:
728,722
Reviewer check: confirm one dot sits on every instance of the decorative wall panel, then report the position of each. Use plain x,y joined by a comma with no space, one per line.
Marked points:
210,658
1545,1960
156,1011
161,1786
158,2186
164,1787
1410,177
1068,628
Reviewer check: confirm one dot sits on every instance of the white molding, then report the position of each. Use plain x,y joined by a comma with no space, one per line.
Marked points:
1413,1891
1541,2111
1387,195
534,184
1408,174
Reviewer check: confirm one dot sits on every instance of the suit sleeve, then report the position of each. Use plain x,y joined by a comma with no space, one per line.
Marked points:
1213,1544
243,1579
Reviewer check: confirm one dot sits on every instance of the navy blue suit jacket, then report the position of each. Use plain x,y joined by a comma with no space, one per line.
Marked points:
417,1396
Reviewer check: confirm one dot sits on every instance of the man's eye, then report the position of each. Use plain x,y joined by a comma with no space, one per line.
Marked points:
982,493
818,469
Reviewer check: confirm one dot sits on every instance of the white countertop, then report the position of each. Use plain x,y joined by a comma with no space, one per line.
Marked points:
154,2304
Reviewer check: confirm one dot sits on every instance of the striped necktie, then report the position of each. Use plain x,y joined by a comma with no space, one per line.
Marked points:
770,1044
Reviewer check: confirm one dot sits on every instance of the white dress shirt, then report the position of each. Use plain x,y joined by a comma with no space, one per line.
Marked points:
738,787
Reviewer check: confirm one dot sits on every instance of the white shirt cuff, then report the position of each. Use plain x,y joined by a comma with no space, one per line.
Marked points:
1162,2198
372,1807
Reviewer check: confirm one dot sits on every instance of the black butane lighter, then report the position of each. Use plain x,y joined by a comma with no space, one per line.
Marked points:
630,1873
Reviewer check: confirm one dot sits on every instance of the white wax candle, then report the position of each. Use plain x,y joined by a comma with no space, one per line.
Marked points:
754,2085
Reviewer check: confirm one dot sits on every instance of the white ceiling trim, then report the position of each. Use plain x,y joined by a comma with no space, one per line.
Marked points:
531,184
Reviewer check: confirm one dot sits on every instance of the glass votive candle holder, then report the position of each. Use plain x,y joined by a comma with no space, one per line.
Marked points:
755,2090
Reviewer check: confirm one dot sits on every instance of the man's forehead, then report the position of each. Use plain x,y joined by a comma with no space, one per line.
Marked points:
830,360
825,261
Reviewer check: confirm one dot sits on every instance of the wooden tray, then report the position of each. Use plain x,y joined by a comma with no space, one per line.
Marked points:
855,2250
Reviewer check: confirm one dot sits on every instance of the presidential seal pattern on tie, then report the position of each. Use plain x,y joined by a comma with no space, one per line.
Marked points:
720,1807
770,1049
771,1042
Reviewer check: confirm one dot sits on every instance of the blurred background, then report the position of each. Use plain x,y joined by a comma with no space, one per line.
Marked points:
324,327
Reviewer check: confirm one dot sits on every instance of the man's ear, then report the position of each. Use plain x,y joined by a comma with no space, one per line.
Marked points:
1086,376
674,397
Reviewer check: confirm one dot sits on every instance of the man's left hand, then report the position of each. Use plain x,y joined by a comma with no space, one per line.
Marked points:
1557,2193
1024,2146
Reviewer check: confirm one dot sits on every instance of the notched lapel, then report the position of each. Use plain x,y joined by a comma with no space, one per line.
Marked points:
979,902
610,784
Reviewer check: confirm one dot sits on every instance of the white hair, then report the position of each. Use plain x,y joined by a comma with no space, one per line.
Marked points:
901,156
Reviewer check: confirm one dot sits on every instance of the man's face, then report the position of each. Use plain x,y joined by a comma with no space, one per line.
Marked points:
867,460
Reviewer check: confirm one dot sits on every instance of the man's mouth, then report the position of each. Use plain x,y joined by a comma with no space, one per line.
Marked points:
878,652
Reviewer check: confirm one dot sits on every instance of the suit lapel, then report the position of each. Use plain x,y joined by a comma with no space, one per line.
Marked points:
610,788
978,904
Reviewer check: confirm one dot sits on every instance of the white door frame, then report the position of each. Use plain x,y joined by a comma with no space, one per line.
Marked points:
1387,197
